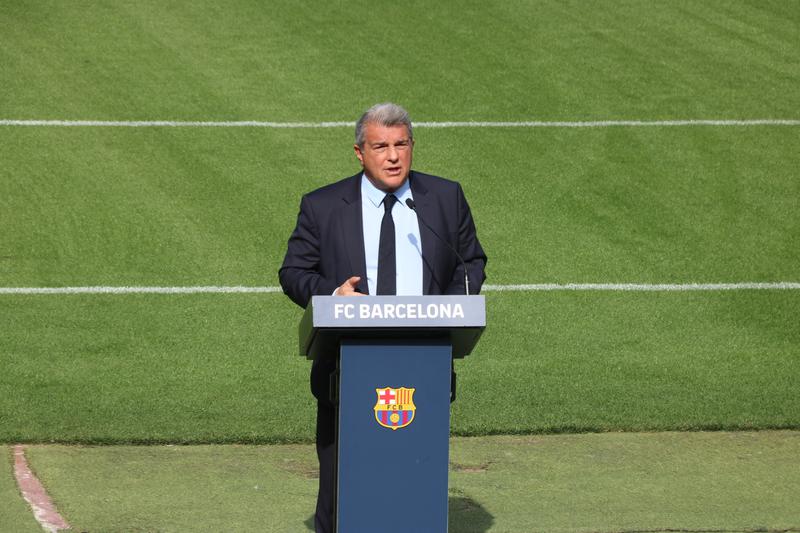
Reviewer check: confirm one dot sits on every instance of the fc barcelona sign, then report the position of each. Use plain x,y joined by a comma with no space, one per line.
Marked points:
395,407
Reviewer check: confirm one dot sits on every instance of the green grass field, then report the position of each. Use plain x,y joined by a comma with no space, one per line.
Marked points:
190,206
472,60
211,368
505,484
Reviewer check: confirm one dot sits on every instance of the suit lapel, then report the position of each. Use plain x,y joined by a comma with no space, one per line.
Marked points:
430,243
352,232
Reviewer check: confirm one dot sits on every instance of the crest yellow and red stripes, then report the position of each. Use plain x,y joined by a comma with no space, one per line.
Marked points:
403,396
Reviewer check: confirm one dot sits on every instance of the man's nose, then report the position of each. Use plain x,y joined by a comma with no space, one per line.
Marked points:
394,153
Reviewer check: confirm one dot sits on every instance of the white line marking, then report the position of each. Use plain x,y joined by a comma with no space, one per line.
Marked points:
35,494
609,123
446,124
135,290
642,287
175,124
668,287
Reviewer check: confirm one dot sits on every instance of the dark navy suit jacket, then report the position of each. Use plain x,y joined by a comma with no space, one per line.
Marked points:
327,245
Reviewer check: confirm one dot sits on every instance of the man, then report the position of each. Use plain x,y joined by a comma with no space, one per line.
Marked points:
358,236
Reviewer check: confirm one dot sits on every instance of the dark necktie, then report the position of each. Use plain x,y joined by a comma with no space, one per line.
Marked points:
387,269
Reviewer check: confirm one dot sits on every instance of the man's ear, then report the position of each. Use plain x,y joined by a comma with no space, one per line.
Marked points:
359,154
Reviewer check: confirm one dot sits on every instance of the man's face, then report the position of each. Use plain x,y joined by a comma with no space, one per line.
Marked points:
386,155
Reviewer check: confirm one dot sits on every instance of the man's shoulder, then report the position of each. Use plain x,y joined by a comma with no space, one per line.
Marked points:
430,178
344,188
435,184
349,188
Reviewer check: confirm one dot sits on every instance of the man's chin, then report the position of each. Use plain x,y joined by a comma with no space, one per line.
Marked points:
390,183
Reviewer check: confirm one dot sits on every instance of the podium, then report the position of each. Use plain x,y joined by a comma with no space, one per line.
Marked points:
394,389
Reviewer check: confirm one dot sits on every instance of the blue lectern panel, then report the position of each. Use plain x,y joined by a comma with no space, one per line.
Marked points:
394,425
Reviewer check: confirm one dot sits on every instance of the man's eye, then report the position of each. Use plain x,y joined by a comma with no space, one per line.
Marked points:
379,148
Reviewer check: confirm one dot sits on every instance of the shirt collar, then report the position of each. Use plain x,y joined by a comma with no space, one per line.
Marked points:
375,195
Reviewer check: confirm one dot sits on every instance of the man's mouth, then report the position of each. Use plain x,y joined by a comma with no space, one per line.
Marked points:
393,170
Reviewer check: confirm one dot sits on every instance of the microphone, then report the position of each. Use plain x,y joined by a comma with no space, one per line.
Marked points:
411,205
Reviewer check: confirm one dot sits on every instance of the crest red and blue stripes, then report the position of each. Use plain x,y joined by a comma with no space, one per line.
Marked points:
395,407
404,417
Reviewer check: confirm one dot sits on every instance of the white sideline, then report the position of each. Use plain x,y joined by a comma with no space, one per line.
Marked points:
445,124
135,290
645,287
668,287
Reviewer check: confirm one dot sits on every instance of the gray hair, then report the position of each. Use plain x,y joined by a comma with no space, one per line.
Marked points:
386,114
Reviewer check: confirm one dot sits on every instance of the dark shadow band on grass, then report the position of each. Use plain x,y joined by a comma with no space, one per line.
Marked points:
570,429
704,530
643,428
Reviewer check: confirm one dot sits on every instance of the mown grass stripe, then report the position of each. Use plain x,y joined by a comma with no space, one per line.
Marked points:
641,287
423,124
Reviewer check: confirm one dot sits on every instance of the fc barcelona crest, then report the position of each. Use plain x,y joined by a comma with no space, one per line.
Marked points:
395,407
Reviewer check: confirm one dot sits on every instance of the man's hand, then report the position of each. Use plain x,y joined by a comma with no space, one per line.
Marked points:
348,288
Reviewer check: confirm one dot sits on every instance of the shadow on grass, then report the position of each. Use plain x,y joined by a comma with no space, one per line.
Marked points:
465,516
468,516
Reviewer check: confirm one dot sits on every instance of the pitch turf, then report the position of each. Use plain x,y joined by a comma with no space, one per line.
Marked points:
472,60
211,368
211,206
557,483
192,206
